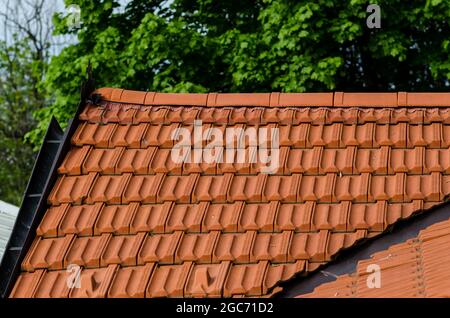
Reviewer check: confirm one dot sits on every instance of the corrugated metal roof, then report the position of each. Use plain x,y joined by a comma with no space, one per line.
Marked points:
8,214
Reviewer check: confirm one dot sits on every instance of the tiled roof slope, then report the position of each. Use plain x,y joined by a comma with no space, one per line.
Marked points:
415,268
142,226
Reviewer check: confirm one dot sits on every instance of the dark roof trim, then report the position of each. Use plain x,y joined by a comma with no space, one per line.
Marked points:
34,203
347,260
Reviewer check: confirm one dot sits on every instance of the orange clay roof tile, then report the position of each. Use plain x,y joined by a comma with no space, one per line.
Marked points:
337,99
141,225
417,267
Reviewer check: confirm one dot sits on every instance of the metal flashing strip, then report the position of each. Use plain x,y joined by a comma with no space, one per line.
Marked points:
347,260
34,203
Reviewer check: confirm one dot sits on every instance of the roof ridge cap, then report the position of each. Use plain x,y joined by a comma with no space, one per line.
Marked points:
277,99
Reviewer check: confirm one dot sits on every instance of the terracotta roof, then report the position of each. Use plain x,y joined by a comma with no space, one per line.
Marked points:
415,268
338,99
140,224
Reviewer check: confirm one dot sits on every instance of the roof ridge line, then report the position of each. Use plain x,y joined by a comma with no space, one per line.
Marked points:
277,99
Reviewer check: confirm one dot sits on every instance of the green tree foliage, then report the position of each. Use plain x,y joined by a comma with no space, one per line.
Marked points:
25,41
250,46
20,74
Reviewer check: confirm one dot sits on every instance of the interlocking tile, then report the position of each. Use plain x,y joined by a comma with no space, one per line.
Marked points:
415,268
130,282
151,114
330,216
207,280
296,217
74,160
362,135
280,273
135,161
235,164
94,283
51,220
271,247
410,161
368,216
177,188
182,115
79,219
375,161
214,115
93,134
245,188
196,248
142,225
186,217
129,136
324,188
295,135
308,115
282,188
92,113
71,189
101,160
212,188
410,115
159,248
353,188
377,115
26,284
162,163
310,246
151,218
115,114
87,251
258,217
246,279
115,219
122,250
169,280
47,253
142,188
54,284
160,135
109,189
222,217
437,160
436,115
234,247
332,160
